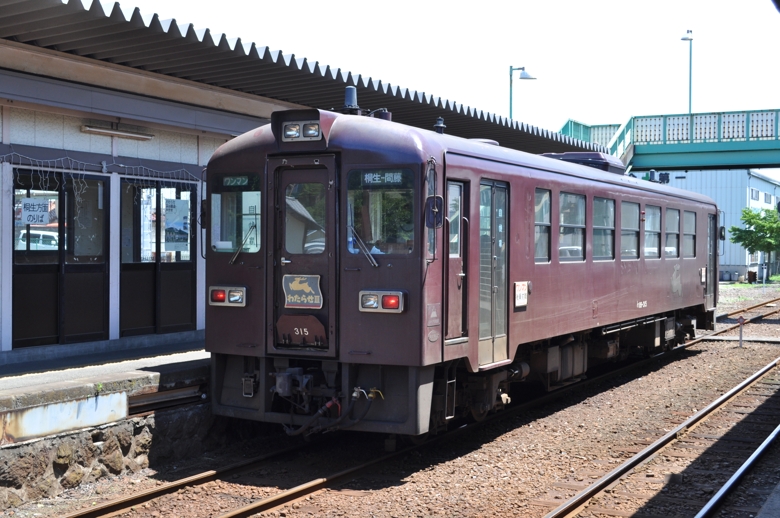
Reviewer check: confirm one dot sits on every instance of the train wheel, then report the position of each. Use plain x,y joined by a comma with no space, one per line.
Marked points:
479,414
417,440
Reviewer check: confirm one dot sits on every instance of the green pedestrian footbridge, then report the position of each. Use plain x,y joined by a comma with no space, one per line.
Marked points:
744,139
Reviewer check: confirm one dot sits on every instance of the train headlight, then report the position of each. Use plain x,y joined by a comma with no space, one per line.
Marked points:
381,301
301,131
234,296
311,130
369,301
292,131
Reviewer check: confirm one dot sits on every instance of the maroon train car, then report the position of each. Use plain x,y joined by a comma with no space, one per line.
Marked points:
367,274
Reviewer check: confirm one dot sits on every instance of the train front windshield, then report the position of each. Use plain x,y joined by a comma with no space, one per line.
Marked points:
235,213
380,209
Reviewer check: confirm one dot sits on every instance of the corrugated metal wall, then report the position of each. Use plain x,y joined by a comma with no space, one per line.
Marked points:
730,188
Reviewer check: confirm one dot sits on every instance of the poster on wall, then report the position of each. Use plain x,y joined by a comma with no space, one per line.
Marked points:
177,225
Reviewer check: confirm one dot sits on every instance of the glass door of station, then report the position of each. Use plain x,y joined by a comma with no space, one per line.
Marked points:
157,274
60,274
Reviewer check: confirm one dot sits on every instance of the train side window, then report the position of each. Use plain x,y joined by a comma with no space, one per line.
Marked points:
235,214
672,245
689,234
603,228
380,209
652,232
571,239
542,226
455,198
629,230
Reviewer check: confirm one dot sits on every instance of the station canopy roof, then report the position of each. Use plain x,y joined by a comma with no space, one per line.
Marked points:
104,31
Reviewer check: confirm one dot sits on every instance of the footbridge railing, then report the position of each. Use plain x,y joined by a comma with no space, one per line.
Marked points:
744,126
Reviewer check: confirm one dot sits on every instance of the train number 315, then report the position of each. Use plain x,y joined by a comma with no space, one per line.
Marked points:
301,331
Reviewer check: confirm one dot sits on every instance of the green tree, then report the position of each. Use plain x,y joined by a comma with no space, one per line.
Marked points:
761,232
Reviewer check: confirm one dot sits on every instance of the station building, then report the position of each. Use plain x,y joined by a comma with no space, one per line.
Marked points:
734,190
108,119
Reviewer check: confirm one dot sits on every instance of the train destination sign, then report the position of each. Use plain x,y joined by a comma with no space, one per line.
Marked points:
235,181
383,177
302,291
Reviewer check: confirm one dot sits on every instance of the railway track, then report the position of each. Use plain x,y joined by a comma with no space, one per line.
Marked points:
713,445
716,445
300,491
122,505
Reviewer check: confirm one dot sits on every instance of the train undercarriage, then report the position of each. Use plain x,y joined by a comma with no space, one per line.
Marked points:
308,396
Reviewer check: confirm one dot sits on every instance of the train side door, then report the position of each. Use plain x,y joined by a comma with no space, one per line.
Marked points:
302,302
492,272
712,258
457,314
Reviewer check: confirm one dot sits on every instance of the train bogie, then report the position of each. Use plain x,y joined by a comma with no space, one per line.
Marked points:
367,275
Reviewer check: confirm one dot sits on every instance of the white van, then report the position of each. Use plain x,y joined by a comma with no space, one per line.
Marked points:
39,240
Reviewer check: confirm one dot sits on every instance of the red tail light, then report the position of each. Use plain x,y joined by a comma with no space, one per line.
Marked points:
218,295
391,301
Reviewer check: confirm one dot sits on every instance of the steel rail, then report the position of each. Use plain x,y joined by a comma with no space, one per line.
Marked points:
121,505
578,501
704,338
749,308
718,498
312,486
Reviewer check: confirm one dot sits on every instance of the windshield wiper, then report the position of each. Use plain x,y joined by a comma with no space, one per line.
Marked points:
363,247
252,227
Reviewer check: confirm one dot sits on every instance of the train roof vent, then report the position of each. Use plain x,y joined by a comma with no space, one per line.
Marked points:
601,161
485,141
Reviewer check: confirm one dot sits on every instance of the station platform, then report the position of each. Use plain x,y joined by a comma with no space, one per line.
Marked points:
40,398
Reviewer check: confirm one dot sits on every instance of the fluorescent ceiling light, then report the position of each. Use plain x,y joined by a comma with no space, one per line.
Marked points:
109,132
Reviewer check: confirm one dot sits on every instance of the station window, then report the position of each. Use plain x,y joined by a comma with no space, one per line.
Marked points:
629,230
689,234
754,194
571,239
652,232
672,246
542,226
767,198
603,228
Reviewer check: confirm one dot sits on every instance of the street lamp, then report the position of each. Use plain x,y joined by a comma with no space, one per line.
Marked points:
523,75
689,38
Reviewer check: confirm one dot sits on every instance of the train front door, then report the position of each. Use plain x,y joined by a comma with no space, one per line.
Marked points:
457,314
304,257
492,272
